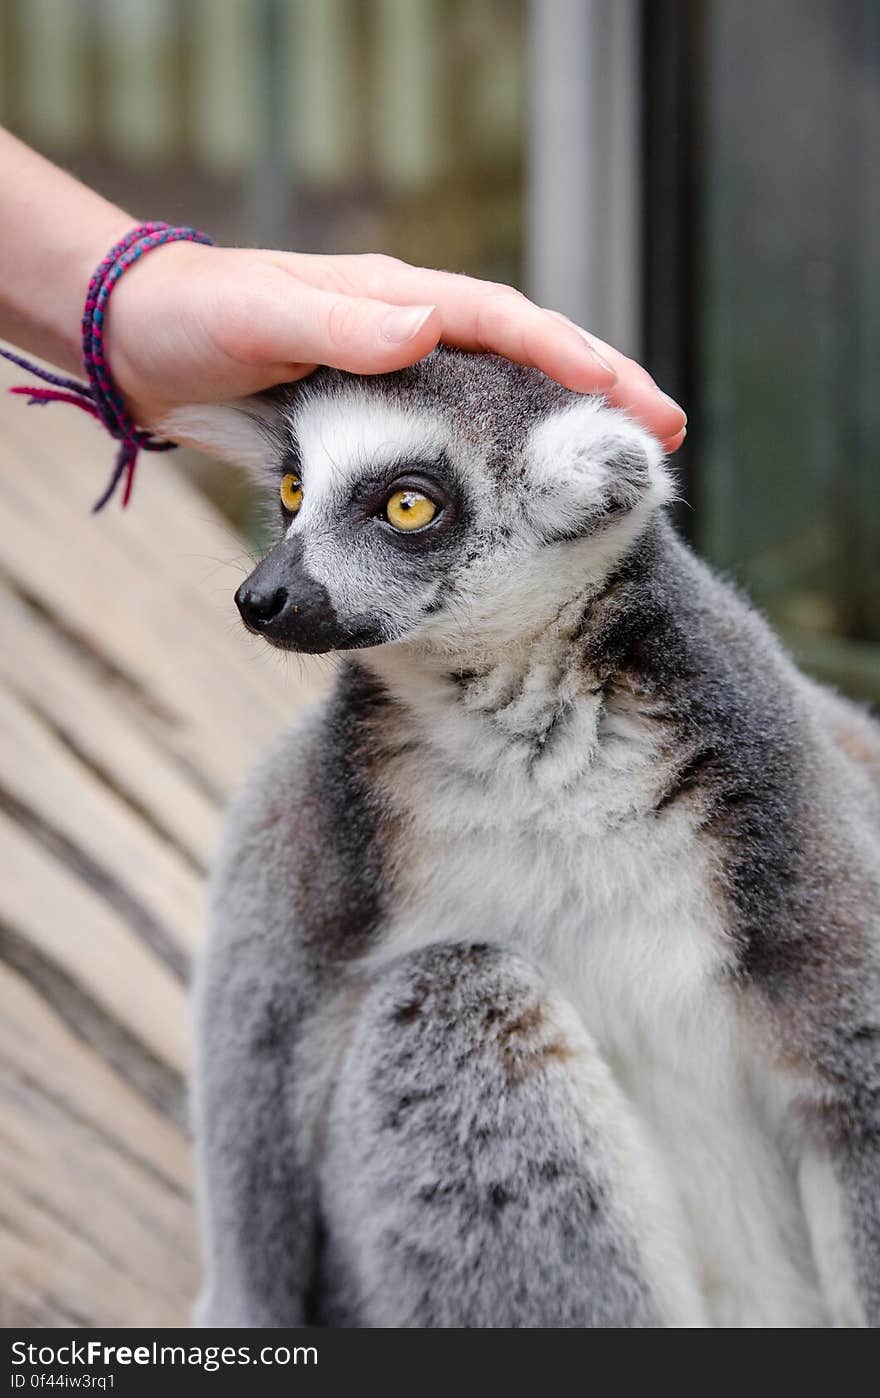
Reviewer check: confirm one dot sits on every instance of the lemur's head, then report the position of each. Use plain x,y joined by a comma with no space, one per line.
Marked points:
456,505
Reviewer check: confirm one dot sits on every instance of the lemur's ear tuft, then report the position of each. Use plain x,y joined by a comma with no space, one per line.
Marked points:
247,432
589,464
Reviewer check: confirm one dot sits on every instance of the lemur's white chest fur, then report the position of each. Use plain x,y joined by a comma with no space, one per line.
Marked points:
557,853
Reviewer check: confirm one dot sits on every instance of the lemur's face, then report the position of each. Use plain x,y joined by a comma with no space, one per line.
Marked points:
458,503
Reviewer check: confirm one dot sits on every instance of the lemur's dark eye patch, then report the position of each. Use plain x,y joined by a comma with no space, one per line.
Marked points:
415,504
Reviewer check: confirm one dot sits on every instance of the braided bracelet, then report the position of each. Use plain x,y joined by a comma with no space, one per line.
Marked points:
100,396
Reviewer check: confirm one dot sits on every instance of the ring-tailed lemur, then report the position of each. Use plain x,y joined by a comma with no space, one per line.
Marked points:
542,979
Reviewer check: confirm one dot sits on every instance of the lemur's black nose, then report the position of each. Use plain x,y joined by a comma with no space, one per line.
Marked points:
258,606
283,603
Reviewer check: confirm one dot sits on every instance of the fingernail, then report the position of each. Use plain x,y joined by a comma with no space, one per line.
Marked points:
587,339
672,403
404,323
603,363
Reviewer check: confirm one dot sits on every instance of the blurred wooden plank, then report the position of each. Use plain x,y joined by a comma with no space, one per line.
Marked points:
72,814
95,1206
61,921
58,681
41,1054
131,703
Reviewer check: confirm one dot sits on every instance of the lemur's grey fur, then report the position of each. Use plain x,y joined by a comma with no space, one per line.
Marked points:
542,979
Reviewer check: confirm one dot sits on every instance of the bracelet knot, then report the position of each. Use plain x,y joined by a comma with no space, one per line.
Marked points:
100,397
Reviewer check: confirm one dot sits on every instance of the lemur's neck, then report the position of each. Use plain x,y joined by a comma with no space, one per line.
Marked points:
524,693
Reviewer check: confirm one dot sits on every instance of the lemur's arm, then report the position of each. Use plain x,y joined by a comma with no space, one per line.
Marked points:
480,1166
255,992
256,1182
840,1188
860,1176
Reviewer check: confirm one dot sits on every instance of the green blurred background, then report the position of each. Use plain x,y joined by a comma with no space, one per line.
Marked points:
695,180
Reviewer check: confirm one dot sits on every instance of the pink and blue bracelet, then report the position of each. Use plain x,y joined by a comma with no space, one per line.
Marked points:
100,396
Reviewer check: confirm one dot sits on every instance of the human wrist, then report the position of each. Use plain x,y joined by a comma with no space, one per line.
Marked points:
102,397
43,313
75,270
138,318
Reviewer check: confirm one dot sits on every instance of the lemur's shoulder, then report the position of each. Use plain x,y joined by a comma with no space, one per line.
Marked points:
853,732
302,851
734,632
785,771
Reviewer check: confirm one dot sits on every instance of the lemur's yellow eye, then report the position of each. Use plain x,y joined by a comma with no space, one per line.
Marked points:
291,493
409,509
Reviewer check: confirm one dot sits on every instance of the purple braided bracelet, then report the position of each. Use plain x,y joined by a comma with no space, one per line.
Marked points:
100,397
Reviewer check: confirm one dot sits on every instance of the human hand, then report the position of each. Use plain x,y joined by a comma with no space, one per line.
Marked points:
191,323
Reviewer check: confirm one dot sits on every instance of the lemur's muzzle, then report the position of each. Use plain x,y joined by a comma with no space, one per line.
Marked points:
289,608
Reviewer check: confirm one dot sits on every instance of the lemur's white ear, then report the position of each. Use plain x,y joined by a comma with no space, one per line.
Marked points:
588,463
244,431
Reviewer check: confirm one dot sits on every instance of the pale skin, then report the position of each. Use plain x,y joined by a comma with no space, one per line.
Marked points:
201,324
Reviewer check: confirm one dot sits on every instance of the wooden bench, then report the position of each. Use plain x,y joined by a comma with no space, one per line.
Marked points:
131,703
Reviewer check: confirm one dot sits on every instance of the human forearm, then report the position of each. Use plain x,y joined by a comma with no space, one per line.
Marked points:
53,233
